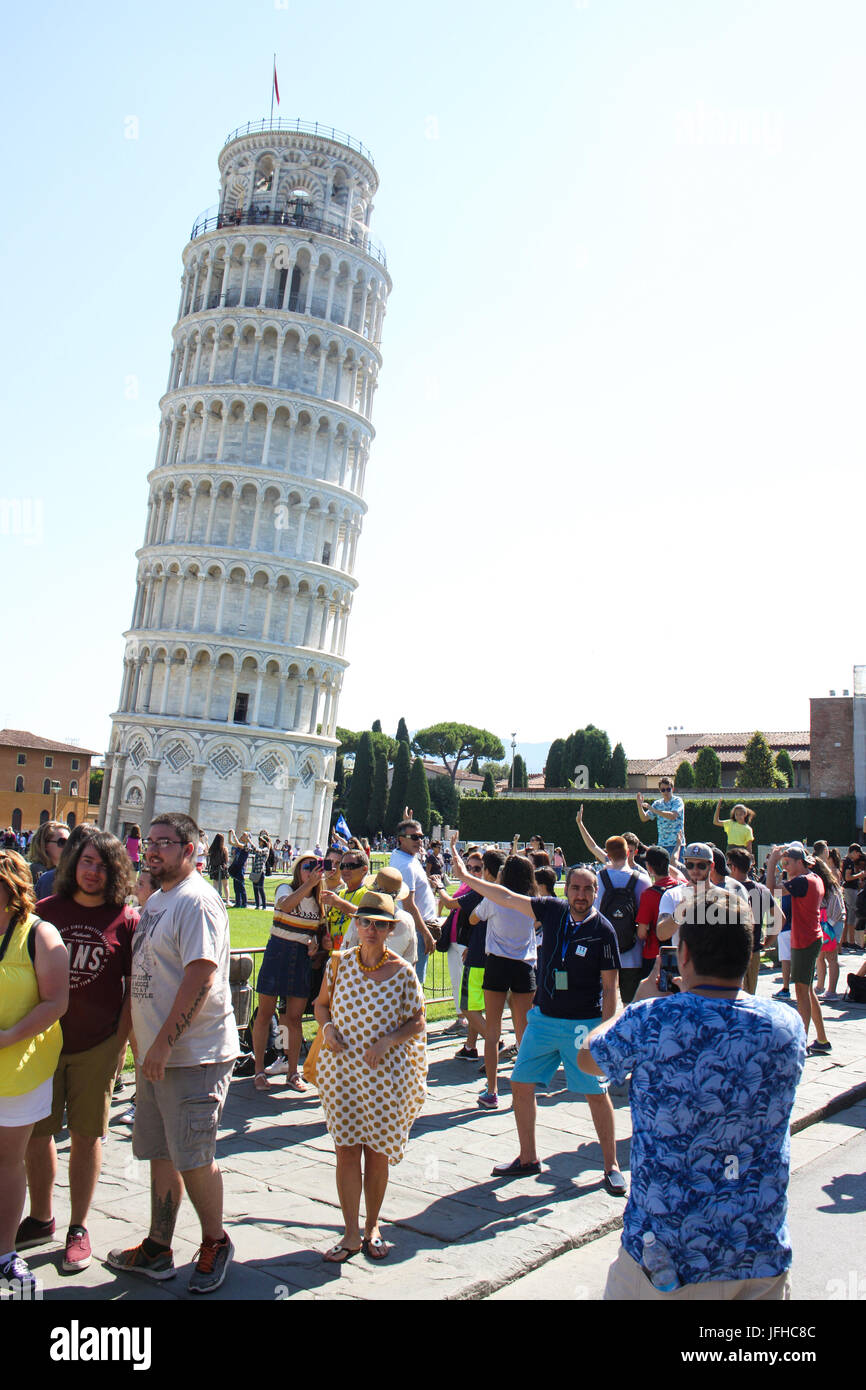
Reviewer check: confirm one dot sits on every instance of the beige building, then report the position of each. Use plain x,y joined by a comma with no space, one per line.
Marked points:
41,779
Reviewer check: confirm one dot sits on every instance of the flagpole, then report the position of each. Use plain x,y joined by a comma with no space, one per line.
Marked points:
273,70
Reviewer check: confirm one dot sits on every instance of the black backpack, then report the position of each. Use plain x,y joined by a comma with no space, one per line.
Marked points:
619,906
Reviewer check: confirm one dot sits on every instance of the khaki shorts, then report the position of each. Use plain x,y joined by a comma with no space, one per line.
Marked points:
83,1083
626,1282
178,1118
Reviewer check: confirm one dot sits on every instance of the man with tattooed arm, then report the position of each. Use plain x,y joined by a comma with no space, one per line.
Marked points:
185,1043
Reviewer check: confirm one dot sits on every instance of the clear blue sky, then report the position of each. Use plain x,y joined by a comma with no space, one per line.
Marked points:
619,423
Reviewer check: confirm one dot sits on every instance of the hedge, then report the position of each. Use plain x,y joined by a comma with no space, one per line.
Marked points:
777,819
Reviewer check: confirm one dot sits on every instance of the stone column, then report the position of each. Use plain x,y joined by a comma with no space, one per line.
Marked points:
317,829
153,765
247,782
198,772
107,790
287,814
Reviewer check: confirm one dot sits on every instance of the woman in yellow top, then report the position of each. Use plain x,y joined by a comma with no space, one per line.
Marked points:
738,829
34,993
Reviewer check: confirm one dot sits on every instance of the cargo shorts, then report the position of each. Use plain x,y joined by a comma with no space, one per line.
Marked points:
178,1118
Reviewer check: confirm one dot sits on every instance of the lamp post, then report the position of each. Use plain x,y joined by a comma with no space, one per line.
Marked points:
513,746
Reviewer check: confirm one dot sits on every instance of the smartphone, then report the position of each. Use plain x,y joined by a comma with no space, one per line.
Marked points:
668,970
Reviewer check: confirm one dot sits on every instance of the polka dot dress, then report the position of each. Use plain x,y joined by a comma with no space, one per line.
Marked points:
372,1105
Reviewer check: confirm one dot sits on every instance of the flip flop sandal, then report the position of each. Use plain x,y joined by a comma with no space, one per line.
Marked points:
261,1082
375,1248
340,1254
297,1083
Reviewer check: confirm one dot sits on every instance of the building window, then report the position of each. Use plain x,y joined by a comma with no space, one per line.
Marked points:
241,707
49,761
22,759
73,788
19,784
46,787
75,764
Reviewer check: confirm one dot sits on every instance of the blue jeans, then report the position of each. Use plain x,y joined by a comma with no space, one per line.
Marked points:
240,892
259,892
421,962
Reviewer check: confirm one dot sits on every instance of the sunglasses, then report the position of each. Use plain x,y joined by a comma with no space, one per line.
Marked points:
413,837
353,864
697,864
64,841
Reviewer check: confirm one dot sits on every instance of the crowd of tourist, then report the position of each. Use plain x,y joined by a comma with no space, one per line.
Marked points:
647,967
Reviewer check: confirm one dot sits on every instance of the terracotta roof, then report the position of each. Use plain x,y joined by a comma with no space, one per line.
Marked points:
799,738
20,738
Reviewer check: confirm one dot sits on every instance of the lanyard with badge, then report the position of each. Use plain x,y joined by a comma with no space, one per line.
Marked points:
560,977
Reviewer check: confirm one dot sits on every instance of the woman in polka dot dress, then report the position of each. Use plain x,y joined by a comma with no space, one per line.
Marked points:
372,1069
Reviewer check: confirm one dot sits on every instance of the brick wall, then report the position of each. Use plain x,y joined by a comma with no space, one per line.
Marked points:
831,721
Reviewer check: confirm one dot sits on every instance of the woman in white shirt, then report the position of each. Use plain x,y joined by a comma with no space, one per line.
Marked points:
509,965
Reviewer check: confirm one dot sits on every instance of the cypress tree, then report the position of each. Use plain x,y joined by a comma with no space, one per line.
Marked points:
519,778
418,795
489,787
618,775
397,797
402,734
708,768
757,767
685,776
378,796
377,726
358,800
785,765
554,775
473,766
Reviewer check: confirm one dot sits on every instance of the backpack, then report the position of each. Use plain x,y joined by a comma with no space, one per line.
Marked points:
856,989
619,906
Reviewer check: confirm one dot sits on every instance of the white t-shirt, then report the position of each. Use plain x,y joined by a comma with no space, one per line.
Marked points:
509,932
673,896
188,922
412,871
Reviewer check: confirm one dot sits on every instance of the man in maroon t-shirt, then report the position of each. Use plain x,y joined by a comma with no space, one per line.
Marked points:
658,867
807,894
88,908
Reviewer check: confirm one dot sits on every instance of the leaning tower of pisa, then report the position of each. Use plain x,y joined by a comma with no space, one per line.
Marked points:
234,657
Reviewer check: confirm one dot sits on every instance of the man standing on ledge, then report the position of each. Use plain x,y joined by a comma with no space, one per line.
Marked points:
578,966
185,1043
670,813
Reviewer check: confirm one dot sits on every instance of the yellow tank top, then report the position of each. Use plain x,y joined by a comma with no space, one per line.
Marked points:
25,1064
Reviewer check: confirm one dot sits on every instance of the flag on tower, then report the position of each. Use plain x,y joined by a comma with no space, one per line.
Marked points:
276,83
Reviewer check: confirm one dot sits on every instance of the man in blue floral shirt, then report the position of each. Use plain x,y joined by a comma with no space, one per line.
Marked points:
713,1077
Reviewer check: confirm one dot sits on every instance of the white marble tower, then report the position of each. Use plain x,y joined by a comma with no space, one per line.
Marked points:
234,658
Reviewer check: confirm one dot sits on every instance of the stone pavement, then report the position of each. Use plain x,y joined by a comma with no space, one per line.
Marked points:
458,1232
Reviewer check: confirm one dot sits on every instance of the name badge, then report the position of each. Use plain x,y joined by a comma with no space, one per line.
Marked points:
580,950
560,979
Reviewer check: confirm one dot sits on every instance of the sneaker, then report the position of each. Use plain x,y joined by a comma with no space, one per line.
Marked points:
32,1232
137,1261
818,1049
507,1054
278,1068
466,1054
17,1271
128,1117
488,1101
212,1262
782,994
77,1254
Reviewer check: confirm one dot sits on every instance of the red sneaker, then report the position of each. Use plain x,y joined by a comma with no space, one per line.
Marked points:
77,1254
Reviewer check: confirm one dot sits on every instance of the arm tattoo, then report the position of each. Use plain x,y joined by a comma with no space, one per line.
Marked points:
187,1018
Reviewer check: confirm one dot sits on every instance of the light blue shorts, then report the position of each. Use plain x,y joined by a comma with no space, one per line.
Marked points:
549,1041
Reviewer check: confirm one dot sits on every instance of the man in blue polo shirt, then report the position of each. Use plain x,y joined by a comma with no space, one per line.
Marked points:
578,965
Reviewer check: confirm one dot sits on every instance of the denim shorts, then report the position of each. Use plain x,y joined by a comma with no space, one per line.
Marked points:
549,1041
285,970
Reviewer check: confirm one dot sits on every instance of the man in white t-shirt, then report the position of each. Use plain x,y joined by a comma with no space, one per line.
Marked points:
699,861
185,1042
420,901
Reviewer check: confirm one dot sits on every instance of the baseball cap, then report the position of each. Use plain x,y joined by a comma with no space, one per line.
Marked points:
798,850
720,863
699,851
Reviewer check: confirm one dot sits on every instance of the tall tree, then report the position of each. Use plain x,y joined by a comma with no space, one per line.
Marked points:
348,739
339,780
418,795
685,776
94,792
520,778
397,796
553,768
618,776
785,765
378,796
455,743
708,768
358,799
473,766
489,786
444,797
758,768
402,734
596,755
377,726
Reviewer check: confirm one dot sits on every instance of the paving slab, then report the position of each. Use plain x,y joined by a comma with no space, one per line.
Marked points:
458,1233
